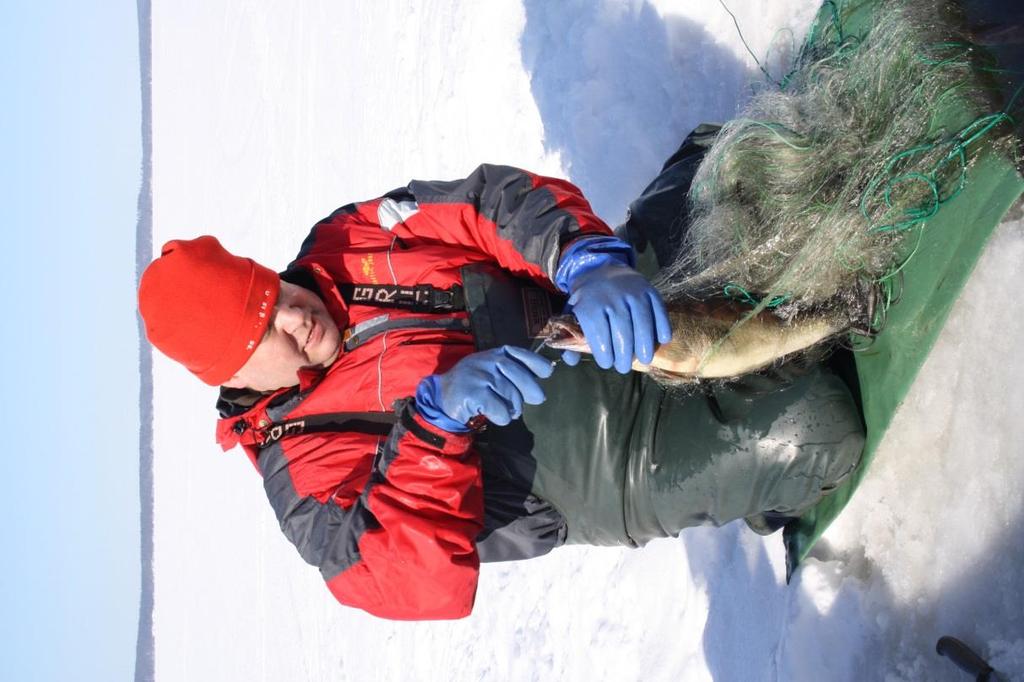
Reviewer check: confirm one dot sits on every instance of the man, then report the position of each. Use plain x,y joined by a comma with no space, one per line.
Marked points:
358,382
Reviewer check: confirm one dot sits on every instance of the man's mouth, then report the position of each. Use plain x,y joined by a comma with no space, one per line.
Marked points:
315,332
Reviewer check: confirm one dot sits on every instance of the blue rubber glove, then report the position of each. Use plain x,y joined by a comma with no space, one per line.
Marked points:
492,383
621,314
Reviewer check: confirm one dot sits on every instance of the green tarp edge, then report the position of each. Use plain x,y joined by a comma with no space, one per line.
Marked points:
951,244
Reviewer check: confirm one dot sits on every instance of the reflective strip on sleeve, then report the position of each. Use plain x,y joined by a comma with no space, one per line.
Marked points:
391,212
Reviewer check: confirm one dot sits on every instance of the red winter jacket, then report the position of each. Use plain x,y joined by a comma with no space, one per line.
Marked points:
390,517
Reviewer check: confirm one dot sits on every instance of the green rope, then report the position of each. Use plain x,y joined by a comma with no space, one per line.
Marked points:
931,179
738,293
736,22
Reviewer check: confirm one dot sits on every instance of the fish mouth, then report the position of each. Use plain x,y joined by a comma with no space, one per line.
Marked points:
563,332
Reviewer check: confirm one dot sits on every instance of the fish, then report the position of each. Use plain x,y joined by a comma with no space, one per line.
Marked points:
715,339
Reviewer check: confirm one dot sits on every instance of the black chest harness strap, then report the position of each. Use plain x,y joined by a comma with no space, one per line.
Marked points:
420,298
372,423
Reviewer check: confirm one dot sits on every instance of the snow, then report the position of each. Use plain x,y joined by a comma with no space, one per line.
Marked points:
269,115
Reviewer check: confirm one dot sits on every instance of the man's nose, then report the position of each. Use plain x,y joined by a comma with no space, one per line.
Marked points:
289,317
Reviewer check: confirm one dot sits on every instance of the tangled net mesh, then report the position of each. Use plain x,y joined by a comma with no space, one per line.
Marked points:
817,194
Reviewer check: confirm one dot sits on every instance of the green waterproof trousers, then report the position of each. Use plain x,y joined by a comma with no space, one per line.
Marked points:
625,460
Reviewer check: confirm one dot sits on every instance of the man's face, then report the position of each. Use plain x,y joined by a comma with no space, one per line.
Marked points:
301,334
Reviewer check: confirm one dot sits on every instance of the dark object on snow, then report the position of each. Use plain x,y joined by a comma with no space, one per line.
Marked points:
964,658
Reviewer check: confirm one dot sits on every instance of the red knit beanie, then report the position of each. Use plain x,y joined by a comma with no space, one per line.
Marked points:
205,307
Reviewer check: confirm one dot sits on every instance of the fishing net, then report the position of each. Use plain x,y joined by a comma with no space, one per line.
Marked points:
819,192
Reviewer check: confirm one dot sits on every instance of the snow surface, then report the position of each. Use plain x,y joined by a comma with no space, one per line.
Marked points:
268,115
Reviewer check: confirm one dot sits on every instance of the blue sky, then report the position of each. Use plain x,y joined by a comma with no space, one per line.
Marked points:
71,150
